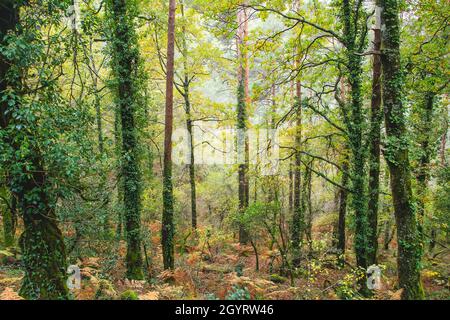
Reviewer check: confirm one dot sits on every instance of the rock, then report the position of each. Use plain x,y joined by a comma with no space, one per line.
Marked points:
277,278
105,291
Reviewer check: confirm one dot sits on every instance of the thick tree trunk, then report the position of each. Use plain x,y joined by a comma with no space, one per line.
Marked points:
409,248
355,126
125,66
42,244
167,218
374,148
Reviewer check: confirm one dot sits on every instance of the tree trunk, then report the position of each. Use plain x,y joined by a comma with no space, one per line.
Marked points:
374,148
343,194
426,149
355,123
167,217
409,249
189,125
41,243
125,67
242,117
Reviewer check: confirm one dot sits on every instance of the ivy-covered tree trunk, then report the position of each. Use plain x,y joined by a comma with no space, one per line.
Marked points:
41,243
355,123
409,245
167,217
374,148
343,195
298,213
125,65
242,118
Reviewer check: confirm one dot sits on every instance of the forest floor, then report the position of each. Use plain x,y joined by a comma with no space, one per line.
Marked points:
222,269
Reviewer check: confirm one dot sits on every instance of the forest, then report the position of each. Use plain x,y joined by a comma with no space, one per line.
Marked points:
224,150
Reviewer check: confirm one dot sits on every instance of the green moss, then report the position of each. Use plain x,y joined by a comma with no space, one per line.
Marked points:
129,295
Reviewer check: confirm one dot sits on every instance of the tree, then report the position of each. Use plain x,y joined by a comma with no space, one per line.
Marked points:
374,148
167,217
242,115
396,155
41,243
125,65
298,213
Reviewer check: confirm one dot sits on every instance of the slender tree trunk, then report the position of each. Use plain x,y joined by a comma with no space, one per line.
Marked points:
291,188
409,248
426,149
343,194
167,218
443,162
98,116
298,213
125,67
189,125
307,205
120,186
374,148
242,117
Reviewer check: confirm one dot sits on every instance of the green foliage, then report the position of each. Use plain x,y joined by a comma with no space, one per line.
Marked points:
238,293
129,295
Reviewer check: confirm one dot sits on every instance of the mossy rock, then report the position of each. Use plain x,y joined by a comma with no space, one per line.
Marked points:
277,278
105,291
129,295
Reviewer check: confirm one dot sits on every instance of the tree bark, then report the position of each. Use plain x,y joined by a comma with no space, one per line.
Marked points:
41,242
242,117
125,67
409,248
343,194
189,126
167,217
374,148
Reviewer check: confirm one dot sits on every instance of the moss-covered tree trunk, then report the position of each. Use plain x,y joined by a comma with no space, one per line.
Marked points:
374,147
343,195
355,123
409,246
168,231
125,65
41,242
298,213
242,118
